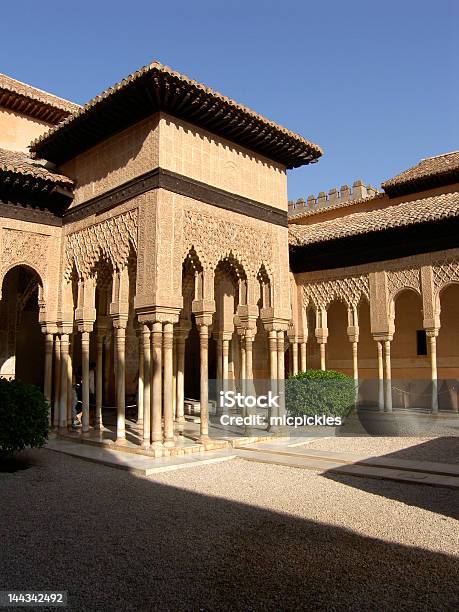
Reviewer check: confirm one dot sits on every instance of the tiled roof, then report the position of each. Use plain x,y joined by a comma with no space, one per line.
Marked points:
34,102
308,212
159,88
426,210
16,163
430,172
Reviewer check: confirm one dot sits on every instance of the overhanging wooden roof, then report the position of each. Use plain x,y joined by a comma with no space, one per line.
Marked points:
158,88
25,180
27,100
429,173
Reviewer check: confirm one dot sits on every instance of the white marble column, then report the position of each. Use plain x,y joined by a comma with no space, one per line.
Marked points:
434,372
57,381
140,381
204,378
388,382
168,343
303,357
180,413
85,374
64,356
379,345
70,395
322,347
294,347
156,382
48,373
120,348
146,350
98,425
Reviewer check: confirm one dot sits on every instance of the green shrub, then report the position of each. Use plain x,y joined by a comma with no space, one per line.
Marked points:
320,392
23,416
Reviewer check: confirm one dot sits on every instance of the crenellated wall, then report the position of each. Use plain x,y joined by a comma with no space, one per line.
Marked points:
335,196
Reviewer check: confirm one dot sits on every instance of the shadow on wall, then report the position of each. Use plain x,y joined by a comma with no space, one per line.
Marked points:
147,546
441,450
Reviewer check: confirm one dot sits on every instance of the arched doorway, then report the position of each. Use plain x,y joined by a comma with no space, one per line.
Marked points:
21,339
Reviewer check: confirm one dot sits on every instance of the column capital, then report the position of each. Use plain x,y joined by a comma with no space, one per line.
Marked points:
382,337
65,327
248,315
49,328
321,334
223,335
353,333
85,326
432,332
203,311
273,322
159,314
119,321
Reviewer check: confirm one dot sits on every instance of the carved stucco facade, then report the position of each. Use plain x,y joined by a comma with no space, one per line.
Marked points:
378,287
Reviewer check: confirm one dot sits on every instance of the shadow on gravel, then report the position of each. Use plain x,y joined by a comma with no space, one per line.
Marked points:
440,500
116,541
17,463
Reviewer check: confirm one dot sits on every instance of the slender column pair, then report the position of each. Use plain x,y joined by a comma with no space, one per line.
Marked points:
64,379
157,343
203,321
98,425
48,373
181,336
384,375
119,326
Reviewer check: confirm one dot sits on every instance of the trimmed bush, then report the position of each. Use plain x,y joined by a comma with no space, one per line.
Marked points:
320,392
23,416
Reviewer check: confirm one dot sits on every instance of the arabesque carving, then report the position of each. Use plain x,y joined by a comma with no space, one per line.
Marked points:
111,240
444,273
214,239
349,290
25,248
409,278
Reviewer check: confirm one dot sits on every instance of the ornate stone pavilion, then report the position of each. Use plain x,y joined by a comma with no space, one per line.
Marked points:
146,233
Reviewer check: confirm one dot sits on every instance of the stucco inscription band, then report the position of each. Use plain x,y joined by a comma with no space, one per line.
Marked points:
176,183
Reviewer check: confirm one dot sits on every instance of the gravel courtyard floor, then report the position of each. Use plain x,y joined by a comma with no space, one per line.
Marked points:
441,450
227,536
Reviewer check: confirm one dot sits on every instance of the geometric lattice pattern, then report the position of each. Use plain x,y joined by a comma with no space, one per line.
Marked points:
348,290
444,273
401,279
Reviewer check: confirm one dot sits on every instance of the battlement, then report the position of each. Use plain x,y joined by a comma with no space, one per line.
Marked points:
334,196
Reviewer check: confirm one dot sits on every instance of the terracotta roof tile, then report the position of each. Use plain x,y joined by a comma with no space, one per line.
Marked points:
33,102
157,87
19,163
435,208
430,172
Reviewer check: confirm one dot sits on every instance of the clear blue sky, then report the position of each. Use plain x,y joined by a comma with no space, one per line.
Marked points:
374,83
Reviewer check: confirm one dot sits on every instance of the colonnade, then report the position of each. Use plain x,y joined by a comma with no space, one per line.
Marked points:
161,374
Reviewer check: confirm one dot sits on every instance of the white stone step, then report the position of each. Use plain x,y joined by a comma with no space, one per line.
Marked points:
136,464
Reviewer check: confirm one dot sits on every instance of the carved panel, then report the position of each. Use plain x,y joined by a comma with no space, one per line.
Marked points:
214,239
26,248
349,290
444,273
111,240
409,278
